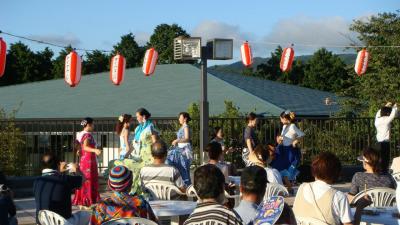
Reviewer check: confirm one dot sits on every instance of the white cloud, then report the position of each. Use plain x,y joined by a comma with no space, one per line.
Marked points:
66,39
142,38
330,31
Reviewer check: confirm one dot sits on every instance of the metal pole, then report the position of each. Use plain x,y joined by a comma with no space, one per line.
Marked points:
203,105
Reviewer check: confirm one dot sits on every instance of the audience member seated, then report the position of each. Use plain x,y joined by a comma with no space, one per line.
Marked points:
159,171
215,155
261,157
7,207
209,185
120,204
319,200
53,189
372,177
253,183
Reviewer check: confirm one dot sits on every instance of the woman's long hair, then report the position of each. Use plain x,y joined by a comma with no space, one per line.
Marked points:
124,118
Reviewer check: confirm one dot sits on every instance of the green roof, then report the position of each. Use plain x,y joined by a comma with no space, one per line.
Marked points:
167,92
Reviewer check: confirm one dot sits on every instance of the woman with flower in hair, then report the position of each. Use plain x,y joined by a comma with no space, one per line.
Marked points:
88,194
288,154
145,136
122,129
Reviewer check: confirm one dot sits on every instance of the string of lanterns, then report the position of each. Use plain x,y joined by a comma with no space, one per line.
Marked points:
73,62
287,57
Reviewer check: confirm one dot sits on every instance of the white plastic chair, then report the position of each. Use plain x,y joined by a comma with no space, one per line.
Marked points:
162,190
191,192
47,217
130,221
396,177
207,222
275,189
309,221
381,197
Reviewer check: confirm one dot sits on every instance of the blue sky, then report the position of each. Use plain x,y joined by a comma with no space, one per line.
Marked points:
98,24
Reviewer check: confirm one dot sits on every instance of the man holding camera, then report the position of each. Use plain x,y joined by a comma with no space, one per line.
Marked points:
53,189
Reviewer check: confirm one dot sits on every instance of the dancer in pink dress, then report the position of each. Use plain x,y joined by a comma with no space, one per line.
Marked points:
88,194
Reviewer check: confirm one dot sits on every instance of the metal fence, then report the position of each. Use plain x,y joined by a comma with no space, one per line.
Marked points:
345,137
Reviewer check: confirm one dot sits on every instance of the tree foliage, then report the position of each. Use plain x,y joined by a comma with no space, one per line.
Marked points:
271,70
130,49
381,82
325,71
162,40
96,62
11,139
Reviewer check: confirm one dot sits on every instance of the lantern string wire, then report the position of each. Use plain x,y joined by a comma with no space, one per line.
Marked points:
51,44
319,45
236,40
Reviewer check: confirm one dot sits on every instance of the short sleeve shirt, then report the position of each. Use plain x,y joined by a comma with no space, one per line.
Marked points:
249,133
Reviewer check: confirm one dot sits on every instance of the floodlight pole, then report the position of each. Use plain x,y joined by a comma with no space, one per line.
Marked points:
204,116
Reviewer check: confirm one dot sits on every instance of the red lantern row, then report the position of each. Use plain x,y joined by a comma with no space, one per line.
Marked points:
73,65
3,54
117,69
150,61
72,71
287,59
247,56
361,62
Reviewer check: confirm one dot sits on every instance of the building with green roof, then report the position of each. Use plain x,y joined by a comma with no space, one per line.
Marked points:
170,90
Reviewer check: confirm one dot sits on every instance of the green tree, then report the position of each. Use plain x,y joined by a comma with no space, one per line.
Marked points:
381,82
270,70
325,71
11,139
162,40
96,62
59,62
23,65
44,65
129,48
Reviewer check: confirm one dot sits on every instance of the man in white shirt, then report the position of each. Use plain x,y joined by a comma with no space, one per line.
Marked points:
383,122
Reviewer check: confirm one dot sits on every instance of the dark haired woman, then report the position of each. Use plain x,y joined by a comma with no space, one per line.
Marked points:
372,177
122,129
288,154
182,156
250,137
88,194
145,136
383,123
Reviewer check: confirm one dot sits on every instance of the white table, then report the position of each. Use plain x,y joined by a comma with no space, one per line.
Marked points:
172,209
383,216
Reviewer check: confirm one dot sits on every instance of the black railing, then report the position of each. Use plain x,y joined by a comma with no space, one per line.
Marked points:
345,137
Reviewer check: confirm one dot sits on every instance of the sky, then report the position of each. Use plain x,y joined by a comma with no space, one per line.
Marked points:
99,24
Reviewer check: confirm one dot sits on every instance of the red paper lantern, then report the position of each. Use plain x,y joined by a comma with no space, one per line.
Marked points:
150,61
73,65
287,59
361,62
247,56
117,69
3,54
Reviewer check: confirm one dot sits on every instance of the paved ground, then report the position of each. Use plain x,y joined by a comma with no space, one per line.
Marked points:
26,206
